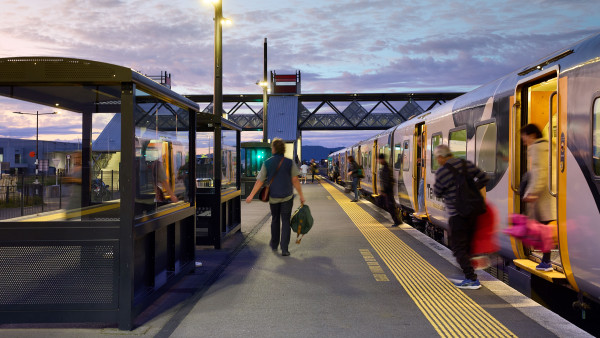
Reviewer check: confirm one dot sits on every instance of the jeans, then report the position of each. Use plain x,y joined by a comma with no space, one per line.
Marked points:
462,230
355,187
281,214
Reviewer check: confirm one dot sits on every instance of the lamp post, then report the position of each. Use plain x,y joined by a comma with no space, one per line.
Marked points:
37,126
265,86
219,21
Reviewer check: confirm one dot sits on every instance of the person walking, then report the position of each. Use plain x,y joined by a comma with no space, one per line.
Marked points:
541,205
353,172
386,180
313,170
336,172
462,228
284,175
304,171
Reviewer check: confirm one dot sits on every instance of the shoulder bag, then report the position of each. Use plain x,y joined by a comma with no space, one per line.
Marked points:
263,195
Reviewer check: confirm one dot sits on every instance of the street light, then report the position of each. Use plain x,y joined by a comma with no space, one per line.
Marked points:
37,126
265,86
219,21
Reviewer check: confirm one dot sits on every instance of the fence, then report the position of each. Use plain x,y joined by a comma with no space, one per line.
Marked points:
20,195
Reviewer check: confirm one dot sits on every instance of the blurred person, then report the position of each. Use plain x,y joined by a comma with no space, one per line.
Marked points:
353,169
284,174
386,179
304,170
462,228
541,205
336,172
313,170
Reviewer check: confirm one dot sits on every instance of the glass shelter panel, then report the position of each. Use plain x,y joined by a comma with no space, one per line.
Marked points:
228,159
205,142
62,153
162,154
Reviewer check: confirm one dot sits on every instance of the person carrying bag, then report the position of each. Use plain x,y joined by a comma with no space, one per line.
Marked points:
283,174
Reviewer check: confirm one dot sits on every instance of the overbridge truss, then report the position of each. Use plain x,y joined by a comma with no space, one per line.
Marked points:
360,111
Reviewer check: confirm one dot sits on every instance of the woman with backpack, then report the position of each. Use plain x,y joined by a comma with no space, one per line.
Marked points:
282,173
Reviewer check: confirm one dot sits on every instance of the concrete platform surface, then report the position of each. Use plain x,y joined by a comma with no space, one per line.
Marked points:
351,276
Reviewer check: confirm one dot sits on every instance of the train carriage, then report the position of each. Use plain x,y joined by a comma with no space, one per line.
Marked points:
560,94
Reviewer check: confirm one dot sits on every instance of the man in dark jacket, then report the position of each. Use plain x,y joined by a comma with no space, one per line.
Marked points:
462,228
353,172
386,180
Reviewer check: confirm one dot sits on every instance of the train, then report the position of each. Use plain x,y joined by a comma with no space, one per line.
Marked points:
560,93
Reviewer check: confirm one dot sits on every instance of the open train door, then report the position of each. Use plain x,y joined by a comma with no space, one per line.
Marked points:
420,142
537,100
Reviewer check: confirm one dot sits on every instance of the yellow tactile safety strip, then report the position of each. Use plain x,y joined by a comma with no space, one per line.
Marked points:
451,312
376,270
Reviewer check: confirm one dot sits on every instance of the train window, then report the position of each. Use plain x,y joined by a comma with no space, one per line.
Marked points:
485,147
457,141
436,140
405,157
398,152
596,138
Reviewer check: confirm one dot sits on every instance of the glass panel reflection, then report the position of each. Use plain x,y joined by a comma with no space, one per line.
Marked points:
229,159
69,164
205,142
162,155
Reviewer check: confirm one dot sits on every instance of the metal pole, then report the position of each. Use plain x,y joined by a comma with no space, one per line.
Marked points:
218,96
265,139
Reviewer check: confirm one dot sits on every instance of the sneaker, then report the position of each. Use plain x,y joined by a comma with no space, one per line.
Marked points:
285,253
544,267
468,284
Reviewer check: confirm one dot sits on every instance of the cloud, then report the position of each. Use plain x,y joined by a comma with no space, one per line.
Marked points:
340,46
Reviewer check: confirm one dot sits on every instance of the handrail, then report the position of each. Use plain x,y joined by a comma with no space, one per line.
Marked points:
514,150
550,180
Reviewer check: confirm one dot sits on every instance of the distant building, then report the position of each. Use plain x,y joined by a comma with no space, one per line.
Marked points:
15,155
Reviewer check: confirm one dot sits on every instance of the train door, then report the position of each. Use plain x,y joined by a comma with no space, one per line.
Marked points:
420,142
537,102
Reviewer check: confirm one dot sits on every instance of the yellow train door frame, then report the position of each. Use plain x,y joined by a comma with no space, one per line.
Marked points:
420,131
548,91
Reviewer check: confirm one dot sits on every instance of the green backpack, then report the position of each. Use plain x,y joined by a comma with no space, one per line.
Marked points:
360,172
302,221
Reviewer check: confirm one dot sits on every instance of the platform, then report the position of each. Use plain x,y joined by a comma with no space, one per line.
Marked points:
353,275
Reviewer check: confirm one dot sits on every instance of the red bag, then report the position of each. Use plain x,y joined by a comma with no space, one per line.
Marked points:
484,240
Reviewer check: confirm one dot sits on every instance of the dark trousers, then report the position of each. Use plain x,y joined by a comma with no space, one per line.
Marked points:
281,214
462,230
390,205
355,187
313,177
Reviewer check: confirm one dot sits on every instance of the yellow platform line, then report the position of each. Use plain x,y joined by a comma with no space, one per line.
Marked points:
449,310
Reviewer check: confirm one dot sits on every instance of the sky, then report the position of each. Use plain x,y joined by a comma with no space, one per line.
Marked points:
340,46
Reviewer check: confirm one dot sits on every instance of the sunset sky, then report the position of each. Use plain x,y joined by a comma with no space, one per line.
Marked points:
340,46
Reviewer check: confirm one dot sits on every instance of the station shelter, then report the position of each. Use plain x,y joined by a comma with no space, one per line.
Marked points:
100,260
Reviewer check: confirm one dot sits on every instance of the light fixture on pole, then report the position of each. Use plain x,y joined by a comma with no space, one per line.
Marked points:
37,124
